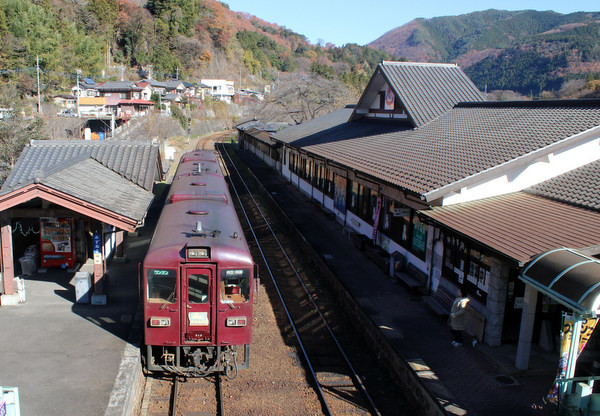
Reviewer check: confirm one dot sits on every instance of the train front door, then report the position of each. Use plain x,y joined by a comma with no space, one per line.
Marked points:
197,305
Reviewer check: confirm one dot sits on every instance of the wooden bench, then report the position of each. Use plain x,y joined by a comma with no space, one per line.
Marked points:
412,276
378,256
360,241
441,302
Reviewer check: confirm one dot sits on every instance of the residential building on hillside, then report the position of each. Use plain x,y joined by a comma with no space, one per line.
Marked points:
219,89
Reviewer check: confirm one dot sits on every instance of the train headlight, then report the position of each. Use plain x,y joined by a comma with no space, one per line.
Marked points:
197,253
236,321
159,321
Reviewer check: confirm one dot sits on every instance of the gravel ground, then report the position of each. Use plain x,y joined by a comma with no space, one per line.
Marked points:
275,383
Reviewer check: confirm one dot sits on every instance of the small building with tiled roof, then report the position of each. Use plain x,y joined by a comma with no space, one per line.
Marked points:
96,190
443,181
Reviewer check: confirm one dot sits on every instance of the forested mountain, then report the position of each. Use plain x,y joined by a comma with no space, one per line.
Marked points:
188,39
526,51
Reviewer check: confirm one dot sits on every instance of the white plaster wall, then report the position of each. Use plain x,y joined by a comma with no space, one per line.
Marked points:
305,187
523,176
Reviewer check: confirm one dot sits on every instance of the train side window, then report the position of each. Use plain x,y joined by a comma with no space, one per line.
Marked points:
198,288
235,286
162,286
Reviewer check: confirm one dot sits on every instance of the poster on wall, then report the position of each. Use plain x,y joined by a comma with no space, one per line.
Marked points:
389,99
339,195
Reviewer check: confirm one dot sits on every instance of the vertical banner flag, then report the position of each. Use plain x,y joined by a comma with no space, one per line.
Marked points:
587,328
376,219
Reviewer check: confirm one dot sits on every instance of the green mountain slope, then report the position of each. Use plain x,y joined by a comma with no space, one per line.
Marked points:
190,39
525,51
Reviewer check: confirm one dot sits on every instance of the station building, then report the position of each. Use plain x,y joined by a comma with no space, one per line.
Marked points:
69,203
447,191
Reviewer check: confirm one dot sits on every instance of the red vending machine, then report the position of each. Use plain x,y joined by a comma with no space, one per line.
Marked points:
56,242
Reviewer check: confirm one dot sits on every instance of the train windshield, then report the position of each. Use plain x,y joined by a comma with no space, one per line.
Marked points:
162,286
235,286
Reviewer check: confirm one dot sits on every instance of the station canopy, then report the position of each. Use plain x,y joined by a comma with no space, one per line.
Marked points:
567,276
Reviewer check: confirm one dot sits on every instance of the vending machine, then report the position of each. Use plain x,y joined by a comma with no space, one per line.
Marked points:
56,242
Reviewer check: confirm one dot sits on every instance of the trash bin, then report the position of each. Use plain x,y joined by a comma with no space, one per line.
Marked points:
83,283
32,251
28,265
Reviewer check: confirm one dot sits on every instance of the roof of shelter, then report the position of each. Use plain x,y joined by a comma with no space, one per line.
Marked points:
426,90
136,161
468,140
107,180
567,276
520,225
110,190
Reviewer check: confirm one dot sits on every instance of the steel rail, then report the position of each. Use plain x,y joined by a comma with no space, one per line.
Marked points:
173,404
354,374
320,392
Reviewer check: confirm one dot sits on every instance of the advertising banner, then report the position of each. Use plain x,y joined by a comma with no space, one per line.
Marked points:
587,328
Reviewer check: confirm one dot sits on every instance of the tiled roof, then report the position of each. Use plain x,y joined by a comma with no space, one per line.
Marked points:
110,190
578,187
334,129
116,85
465,141
521,225
136,161
428,90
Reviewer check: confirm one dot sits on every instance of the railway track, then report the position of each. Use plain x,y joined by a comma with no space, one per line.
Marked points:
339,387
177,396
272,385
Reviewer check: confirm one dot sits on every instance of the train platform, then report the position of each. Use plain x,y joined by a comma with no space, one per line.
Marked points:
470,379
69,358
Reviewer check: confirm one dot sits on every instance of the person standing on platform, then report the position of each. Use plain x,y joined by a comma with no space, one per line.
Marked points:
457,318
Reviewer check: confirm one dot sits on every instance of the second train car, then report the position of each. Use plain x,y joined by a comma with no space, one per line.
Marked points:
198,277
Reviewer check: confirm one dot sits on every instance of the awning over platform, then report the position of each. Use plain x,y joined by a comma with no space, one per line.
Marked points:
568,277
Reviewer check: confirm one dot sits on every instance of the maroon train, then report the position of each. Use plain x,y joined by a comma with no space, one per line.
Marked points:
199,279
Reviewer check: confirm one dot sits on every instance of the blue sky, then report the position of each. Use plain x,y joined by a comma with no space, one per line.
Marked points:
361,22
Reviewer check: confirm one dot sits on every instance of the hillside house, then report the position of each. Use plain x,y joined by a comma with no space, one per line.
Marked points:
218,89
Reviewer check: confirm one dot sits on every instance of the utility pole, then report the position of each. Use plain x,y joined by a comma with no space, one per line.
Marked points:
37,61
78,93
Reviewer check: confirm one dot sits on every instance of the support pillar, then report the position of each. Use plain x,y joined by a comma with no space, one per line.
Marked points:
119,250
98,241
526,331
8,268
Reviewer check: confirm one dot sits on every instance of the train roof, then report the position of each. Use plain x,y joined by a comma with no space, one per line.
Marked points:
198,212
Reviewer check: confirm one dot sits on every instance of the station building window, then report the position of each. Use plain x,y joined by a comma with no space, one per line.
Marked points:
324,180
466,266
401,225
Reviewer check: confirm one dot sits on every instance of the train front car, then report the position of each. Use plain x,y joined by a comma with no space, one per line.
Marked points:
198,277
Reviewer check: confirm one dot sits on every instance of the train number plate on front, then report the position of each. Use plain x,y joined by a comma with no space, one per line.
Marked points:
197,336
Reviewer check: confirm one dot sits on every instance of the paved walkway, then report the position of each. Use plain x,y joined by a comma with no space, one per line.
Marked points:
469,373
75,359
